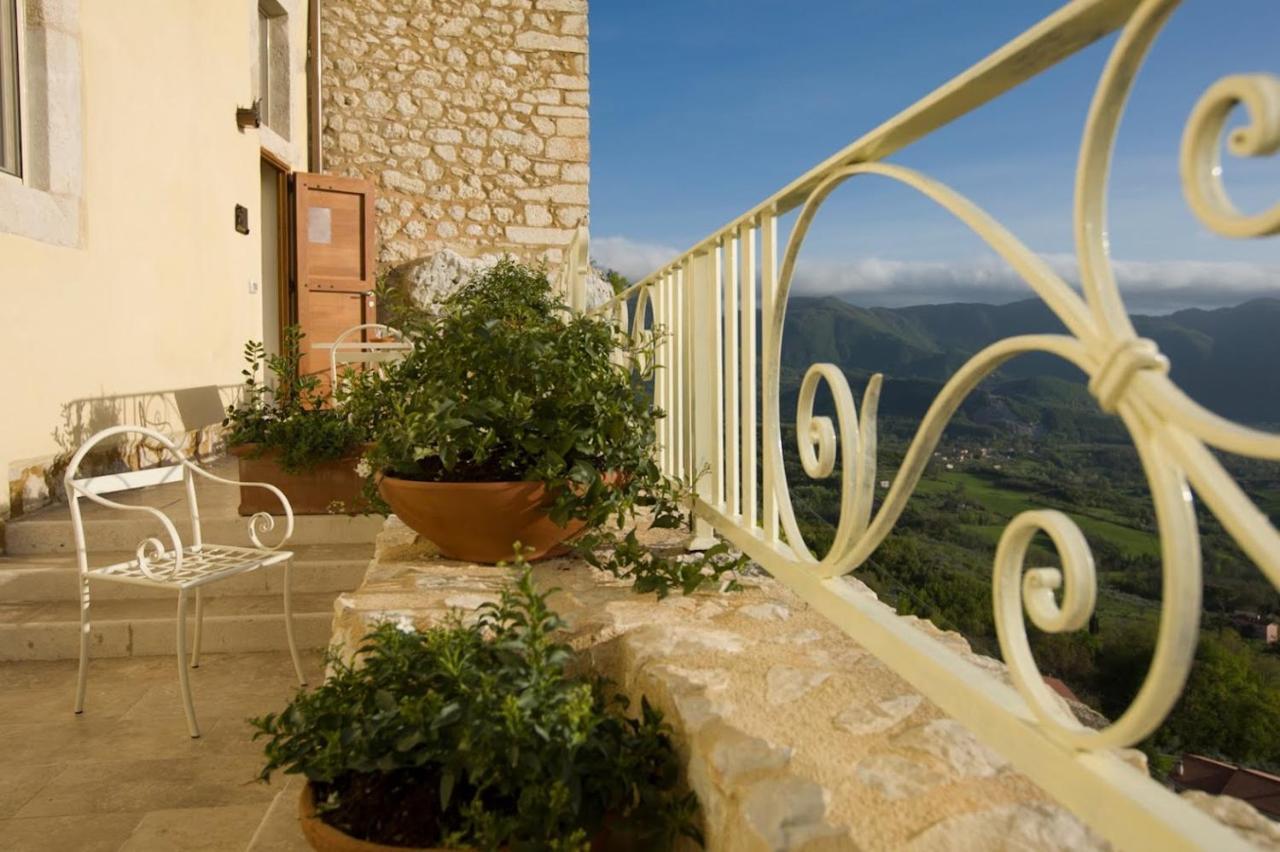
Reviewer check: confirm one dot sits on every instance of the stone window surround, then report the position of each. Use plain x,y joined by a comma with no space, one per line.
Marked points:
284,100
45,204
278,100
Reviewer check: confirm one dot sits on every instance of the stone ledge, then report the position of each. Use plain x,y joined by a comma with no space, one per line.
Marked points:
793,736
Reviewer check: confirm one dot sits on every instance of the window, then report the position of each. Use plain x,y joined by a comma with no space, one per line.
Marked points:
273,66
264,64
10,126
41,99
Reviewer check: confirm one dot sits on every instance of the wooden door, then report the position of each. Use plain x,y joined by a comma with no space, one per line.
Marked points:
336,259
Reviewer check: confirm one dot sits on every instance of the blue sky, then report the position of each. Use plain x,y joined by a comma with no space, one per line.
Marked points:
701,108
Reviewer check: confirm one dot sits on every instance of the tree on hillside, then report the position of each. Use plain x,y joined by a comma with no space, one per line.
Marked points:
1228,708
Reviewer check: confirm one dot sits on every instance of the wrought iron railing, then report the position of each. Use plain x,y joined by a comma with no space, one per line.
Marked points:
721,395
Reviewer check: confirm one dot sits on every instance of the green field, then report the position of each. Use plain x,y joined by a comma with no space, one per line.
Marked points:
1006,503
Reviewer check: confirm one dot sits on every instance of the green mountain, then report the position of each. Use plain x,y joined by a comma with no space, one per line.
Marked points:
1223,358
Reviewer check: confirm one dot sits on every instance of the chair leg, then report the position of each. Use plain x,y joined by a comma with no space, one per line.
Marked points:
195,643
183,682
288,626
86,628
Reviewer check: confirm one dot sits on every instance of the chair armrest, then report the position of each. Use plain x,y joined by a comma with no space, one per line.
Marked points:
148,550
261,522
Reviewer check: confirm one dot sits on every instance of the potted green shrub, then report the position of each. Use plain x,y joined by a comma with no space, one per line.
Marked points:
510,419
472,735
285,433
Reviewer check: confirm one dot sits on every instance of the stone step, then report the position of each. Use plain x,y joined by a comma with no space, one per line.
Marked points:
53,577
51,532
125,628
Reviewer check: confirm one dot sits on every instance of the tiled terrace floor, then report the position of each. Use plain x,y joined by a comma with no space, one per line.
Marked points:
125,775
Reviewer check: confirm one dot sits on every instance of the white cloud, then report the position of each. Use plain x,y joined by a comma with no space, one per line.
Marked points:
1146,285
632,258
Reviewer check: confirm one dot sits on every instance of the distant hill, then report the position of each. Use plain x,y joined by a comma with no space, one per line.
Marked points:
1226,359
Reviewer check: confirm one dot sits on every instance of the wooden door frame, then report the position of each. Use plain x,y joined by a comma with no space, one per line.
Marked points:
284,240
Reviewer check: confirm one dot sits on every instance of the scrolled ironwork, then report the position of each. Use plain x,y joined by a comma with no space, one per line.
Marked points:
857,436
1127,376
151,550
1201,162
261,522
1035,591
1173,435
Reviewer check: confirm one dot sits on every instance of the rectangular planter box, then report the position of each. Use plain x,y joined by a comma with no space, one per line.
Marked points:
310,492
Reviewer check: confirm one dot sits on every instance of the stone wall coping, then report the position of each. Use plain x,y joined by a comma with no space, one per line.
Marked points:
792,735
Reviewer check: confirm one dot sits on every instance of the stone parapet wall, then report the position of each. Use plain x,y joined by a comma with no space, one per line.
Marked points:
469,117
793,736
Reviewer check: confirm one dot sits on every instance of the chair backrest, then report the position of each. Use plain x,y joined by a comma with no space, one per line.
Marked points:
346,351
93,487
109,483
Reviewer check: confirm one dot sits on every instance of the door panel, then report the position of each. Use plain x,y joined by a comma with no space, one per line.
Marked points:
336,260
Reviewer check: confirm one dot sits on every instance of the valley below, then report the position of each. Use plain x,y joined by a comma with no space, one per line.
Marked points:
1031,437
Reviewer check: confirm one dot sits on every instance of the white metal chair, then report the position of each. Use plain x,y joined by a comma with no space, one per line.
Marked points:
172,566
342,351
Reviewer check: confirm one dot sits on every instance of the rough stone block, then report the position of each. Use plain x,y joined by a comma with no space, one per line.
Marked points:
562,111
569,194
565,148
569,81
392,179
579,6
538,236
575,172
537,215
575,25
545,41
571,126
448,135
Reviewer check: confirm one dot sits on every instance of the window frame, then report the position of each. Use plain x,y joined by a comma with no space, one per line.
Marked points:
11,88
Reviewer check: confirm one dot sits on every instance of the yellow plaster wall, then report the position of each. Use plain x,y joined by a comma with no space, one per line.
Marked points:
157,296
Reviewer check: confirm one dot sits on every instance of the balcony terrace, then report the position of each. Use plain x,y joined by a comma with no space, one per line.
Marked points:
804,713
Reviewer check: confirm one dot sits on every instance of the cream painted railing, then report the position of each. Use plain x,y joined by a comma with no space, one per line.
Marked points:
713,301
575,268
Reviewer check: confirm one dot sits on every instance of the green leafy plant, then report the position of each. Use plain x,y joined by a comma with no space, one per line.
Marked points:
504,383
288,416
473,735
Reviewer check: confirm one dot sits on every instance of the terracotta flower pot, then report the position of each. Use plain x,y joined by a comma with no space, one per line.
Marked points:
478,521
310,492
325,838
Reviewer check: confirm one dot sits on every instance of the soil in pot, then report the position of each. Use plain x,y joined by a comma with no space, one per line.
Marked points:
478,521
413,819
310,492
341,830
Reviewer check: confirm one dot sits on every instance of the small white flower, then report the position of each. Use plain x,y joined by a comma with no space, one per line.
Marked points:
405,624
363,468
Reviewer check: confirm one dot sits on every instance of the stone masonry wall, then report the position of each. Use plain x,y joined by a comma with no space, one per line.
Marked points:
470,117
